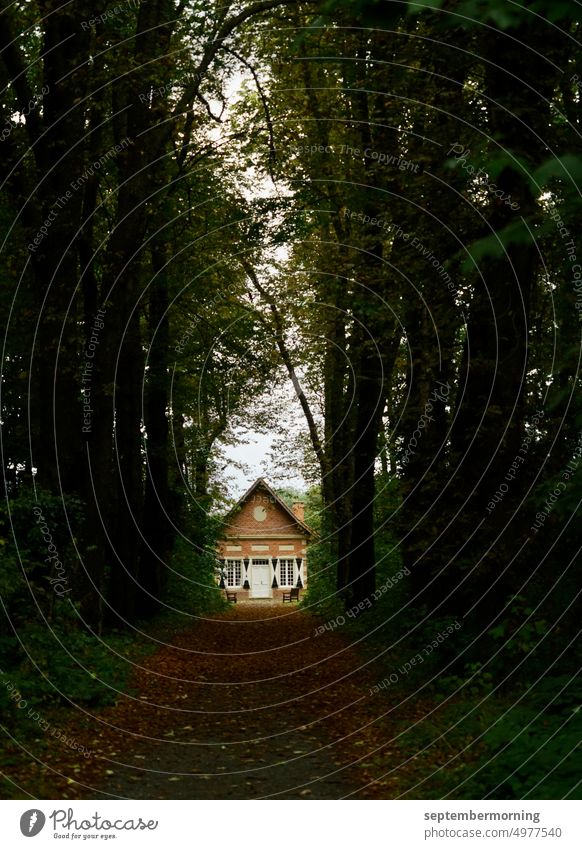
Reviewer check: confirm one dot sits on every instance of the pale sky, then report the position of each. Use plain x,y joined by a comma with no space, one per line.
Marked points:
255,455
282,400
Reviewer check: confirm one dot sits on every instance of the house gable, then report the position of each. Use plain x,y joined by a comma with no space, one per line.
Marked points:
261,513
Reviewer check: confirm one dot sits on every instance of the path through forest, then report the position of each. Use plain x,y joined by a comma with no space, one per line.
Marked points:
249,703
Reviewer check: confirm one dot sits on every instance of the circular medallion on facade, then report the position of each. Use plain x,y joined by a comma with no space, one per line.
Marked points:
260,514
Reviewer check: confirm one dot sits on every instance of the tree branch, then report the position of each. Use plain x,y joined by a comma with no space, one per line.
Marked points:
265,102
216,44
288,363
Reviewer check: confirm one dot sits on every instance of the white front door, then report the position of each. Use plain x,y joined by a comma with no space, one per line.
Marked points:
260,578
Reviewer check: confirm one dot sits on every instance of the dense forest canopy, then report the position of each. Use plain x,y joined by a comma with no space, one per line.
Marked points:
370,208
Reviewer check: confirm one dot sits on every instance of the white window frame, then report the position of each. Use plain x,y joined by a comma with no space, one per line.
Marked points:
234,563
288,560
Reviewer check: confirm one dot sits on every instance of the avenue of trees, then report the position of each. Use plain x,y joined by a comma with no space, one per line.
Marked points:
375,201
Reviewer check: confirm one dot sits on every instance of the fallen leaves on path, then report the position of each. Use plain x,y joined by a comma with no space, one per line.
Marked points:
250,703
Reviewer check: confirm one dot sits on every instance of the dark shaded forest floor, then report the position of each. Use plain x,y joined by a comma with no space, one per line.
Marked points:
249,703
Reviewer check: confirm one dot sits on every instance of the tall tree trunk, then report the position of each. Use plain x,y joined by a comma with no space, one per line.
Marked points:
157,522
60,156
122,288
372,383
337,488
489,423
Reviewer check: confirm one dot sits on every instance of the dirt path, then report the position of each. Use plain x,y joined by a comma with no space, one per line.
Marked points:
248,704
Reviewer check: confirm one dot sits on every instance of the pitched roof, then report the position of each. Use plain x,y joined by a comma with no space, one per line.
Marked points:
261,482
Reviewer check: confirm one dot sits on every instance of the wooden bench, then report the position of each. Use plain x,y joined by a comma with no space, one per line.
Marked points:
291,595
231,596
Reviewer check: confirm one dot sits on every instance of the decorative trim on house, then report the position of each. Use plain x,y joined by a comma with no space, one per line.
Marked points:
267,534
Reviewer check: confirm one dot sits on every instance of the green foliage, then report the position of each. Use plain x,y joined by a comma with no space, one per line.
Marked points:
56,659
471,13
25,574
532,750
567,167
62,663
192,587
290,495
192,570
370,13
520,630
493,746
320,595
496,245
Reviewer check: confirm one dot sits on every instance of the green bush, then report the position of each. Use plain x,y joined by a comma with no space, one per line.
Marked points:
509,749
55,657
320,595
534,748
61,662
192,586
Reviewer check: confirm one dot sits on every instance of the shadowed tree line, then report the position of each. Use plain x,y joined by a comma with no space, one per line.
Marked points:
385,215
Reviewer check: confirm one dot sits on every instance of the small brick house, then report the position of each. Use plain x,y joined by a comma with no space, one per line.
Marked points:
264,547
